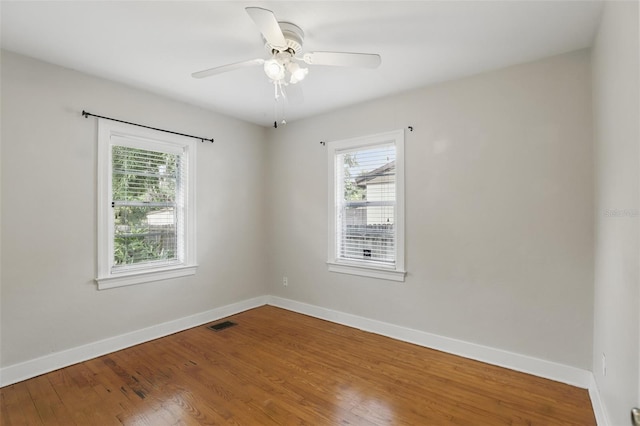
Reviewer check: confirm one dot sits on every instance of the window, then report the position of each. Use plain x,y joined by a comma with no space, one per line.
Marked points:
366,206
146,205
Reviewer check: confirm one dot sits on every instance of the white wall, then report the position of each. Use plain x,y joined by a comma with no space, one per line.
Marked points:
499,202
49,301
500,212
617,256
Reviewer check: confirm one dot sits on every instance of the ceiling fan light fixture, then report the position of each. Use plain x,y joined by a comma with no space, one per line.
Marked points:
297,73
274,69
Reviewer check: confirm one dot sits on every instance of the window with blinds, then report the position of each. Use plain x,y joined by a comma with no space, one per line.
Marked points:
366,211
366,204
146,201
146,205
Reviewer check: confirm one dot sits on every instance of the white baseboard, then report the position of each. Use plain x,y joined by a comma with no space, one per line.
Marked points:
602,419
34,367
514,361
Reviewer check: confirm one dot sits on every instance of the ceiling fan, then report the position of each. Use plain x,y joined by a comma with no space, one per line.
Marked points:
284,44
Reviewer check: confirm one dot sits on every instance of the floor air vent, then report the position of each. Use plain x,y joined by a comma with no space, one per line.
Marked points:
222,325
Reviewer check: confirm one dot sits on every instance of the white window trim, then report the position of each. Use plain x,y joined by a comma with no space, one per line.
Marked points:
364,268
108,133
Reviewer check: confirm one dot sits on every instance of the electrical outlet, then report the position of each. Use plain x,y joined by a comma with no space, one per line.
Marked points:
285,281
604,365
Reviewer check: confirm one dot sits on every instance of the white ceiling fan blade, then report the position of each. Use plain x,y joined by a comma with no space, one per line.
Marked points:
268,25
225,68
343,59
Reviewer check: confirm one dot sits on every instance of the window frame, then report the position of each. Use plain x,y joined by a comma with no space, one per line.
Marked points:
112,133
364,268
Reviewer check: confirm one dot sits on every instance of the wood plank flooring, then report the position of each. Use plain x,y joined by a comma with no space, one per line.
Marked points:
281,368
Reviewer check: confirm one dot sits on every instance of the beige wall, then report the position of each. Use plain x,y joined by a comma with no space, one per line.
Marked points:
499,190
49,300
499,202
617,256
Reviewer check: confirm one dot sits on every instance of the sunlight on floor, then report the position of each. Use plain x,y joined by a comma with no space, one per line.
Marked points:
367,405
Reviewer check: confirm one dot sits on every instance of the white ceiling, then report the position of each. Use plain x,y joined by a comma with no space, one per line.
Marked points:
157,45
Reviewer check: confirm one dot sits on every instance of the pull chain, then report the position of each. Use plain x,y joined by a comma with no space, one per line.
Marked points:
284,101
275,105
278,93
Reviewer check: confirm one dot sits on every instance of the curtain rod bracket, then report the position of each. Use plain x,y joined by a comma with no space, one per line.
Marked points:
86,114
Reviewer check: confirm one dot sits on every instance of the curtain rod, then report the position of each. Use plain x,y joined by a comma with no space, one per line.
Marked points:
86,114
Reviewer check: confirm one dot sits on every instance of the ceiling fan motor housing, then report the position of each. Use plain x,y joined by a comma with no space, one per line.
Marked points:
293,35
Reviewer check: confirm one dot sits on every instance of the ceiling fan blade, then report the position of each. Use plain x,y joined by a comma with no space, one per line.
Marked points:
225,68
268,25
343,59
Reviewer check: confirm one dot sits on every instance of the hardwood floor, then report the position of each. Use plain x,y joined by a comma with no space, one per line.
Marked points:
281,368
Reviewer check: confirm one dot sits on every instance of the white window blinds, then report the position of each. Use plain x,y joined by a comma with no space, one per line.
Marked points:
147,202
365,180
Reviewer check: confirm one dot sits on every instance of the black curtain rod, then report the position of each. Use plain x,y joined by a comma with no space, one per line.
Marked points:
86,114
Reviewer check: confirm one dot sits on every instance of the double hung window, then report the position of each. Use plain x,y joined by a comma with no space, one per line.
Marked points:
366,206
146,208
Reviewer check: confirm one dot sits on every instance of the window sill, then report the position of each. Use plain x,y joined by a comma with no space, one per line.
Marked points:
139,277
367,271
